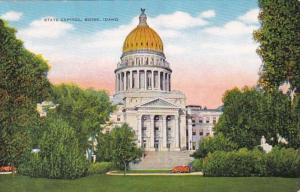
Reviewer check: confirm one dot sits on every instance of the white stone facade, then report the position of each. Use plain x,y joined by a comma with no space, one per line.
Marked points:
145,99
200,124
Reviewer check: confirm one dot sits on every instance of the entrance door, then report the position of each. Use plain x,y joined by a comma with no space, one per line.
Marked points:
156,145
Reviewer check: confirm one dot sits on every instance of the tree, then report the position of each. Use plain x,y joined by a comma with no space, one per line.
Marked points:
279,38
212,144
84,110
124,148
249,114
59,156
23,84
104,147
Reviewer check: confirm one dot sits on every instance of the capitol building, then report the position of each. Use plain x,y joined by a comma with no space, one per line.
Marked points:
145,100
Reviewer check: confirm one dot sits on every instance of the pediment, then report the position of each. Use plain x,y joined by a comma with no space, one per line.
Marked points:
158,103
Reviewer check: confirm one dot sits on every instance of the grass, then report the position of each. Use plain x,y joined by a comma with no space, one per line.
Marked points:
147,171
104,183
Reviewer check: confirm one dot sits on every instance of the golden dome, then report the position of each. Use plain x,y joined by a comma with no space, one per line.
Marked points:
143,37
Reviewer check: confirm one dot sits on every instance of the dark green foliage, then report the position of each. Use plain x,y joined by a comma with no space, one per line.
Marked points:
23,83
197,165
60,156
249,114
216,143
283,162
104,147
279,38
124,148
84,110
99,168
279,162
235,163
294,129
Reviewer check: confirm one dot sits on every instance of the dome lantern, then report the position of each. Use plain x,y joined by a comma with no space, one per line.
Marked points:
143,38
143,18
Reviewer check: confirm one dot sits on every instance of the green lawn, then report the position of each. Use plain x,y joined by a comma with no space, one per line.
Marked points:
103,183
147,171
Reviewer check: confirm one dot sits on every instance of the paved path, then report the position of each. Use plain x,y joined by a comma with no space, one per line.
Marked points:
154,174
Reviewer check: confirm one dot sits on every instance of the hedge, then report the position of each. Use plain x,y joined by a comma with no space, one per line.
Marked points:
279,162
99,168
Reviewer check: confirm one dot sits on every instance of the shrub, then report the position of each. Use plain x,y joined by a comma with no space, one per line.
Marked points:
197,165
211,144
59,155
283,162
99,168
235,163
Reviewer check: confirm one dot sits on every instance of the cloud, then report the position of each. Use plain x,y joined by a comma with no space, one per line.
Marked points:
205,59
46,29
250,16
231,28
12,16
208,14
181,20
243,25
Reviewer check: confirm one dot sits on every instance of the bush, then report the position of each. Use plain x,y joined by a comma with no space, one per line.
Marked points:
211,144
197,165
283,162
235,163
99,168
279,162
59,155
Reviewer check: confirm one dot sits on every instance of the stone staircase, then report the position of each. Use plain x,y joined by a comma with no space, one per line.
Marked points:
162,160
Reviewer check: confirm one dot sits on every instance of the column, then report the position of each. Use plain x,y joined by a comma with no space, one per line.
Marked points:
139,131
169,82
151,131
164,131
152,79
130,80
145,79
138,79
117,82
124,80
163,81
190,140
176,132
159,80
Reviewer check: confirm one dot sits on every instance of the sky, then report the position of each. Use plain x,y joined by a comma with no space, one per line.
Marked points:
208,43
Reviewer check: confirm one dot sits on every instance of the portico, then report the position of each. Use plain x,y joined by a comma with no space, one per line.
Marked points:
158,132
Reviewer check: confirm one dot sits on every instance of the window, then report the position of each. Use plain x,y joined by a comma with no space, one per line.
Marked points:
200,120
118,118
194,133
169,129
194,145
144,128
156,128
207,134
201,133
214,120
193,122
207,119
